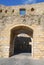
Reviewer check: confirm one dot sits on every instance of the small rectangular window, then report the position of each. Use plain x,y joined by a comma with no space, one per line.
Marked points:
22,11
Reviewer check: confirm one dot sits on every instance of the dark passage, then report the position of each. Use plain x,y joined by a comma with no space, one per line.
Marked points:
22,45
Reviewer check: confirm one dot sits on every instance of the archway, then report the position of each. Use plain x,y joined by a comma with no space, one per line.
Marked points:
18,41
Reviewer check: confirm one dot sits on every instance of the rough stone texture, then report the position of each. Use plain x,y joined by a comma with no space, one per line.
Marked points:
32,22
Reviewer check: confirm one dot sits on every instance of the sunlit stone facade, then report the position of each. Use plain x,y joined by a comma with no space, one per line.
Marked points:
12,22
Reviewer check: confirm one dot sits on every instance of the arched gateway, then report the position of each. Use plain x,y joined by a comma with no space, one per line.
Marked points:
21,41
22,30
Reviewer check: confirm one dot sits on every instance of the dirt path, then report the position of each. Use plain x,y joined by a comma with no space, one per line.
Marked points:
22,59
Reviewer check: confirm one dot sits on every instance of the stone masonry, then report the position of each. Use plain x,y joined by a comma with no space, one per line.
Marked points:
11,22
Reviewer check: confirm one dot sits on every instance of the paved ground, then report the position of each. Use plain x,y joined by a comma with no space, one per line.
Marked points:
21,59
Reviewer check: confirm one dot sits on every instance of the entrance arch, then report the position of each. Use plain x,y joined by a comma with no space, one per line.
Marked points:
16,31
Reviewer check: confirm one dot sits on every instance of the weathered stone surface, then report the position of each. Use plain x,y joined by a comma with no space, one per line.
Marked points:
12,24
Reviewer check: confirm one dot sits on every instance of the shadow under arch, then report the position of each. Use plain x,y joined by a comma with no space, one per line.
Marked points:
14,32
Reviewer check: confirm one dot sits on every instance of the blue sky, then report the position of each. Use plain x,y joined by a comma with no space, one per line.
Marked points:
19,2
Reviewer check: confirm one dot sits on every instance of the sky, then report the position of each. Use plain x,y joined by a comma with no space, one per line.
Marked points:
19,2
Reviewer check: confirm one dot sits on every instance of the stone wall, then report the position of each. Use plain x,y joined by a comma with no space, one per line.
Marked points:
33,19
